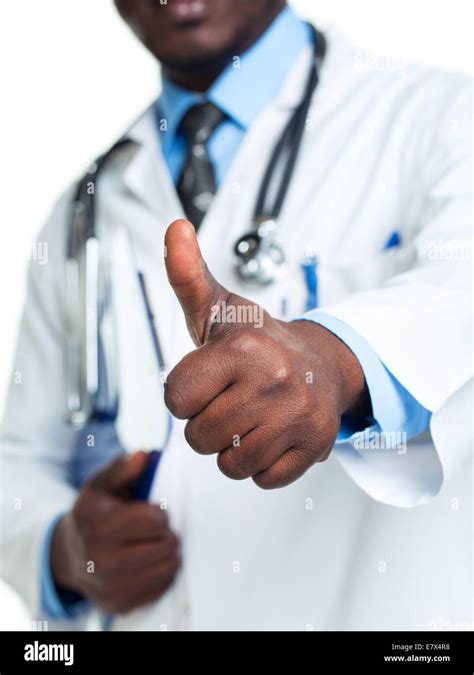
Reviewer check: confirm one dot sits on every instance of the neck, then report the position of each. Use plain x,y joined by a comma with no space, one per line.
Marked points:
201,79
195,81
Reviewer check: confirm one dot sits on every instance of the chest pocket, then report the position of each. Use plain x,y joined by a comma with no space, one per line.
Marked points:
289,298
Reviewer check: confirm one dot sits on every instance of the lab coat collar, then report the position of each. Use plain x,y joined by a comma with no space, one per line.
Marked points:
247,86
248,83
147,168
147,175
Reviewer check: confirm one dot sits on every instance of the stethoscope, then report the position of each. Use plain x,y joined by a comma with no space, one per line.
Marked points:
259,261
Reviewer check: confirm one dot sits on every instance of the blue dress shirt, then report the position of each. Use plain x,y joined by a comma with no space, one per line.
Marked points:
243,89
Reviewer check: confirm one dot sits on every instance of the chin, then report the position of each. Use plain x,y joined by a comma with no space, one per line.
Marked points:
198,62
195,51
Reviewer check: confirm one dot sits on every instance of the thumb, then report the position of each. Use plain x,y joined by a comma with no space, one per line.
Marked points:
119,474
193,284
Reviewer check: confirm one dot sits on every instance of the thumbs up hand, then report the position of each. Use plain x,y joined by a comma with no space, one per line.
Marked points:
265,395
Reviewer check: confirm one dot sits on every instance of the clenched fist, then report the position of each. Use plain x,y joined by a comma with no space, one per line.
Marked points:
134,552
267,396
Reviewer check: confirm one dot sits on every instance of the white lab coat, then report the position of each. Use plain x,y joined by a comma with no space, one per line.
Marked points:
370,539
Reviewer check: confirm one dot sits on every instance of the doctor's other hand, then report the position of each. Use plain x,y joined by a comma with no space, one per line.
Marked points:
135,554
267,396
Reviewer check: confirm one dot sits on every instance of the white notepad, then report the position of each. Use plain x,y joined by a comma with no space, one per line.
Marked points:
143,420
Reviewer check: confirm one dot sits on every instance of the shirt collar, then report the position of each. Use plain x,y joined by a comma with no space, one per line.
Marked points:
248,83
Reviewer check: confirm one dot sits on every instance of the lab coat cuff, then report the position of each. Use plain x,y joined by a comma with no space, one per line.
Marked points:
374,452
53,604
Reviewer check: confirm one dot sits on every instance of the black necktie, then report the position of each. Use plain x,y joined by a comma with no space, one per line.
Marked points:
197,183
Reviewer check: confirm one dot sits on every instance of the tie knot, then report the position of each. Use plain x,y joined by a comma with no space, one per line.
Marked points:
200,121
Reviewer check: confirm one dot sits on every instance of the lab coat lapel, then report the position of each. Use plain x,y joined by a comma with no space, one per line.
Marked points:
148,180
147,175
235,200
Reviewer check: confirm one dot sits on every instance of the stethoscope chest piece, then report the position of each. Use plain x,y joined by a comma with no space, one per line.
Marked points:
260,261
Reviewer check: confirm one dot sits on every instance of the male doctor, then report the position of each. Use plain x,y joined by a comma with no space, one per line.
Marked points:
330,485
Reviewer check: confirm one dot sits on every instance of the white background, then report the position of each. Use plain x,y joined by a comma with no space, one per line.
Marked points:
73,77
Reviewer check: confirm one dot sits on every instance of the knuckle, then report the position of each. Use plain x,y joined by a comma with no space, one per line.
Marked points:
324,454
300,414
306,400
176,566
195,438
264,481
123,606
245,341
233,465
302,457
281,374
174,400
155,515
162,587
173,541
288,468
147,517
83,512
172,568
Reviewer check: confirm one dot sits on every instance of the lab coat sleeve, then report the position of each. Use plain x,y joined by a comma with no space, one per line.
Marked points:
419,322
37,444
